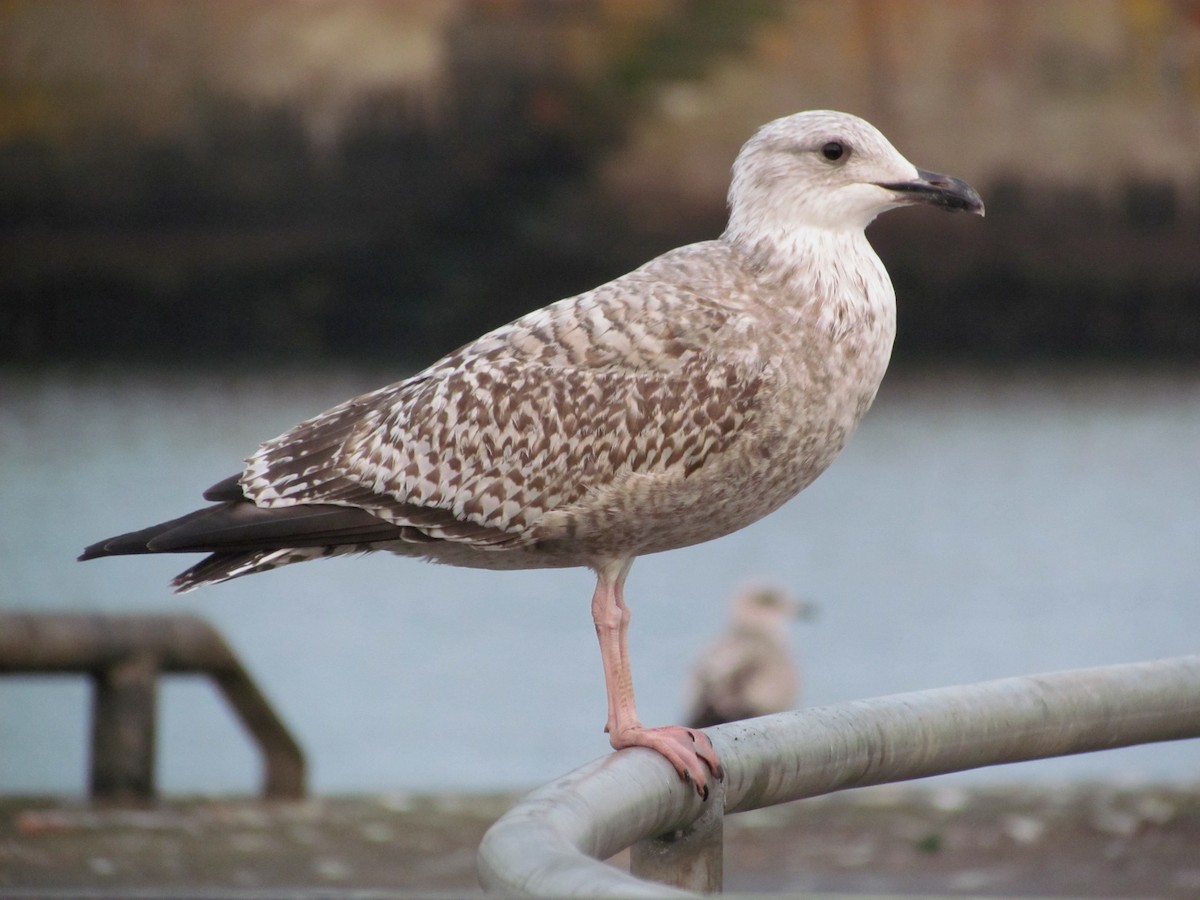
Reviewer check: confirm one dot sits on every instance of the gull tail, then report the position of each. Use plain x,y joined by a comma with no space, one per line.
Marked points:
242,538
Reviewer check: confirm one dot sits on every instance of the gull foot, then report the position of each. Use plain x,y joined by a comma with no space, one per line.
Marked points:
688,750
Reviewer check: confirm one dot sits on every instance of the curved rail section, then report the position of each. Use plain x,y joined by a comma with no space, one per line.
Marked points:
552,841
124,655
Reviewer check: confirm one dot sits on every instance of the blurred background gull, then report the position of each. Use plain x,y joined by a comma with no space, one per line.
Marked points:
750,670
219,219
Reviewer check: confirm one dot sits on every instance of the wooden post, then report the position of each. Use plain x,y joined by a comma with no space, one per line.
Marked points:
283,760
124,723
124,655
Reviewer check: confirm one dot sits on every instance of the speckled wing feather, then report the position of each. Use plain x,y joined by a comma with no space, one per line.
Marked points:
537,416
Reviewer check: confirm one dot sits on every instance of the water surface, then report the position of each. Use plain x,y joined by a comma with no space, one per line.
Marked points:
978,526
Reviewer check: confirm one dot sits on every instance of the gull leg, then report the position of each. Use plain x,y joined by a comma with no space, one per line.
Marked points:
689,751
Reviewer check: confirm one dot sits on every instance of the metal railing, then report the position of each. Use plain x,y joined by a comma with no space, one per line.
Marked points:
124,656
552,842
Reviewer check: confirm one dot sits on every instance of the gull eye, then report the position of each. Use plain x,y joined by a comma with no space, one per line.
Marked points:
834,150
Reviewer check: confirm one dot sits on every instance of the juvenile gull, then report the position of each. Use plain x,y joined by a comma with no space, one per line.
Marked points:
676,404
749,670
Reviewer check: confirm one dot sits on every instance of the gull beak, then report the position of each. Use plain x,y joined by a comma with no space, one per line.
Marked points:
804,610
944,191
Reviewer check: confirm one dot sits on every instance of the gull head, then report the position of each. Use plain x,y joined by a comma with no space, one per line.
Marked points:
832,171
767,608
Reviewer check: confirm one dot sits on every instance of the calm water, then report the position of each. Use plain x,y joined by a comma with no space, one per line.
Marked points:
977,527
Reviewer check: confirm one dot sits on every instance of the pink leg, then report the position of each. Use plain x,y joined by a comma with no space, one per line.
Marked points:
689,751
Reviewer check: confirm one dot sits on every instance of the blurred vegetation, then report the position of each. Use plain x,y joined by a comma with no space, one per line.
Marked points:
216,223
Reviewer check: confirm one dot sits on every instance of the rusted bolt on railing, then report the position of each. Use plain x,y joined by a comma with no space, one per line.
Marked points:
124,655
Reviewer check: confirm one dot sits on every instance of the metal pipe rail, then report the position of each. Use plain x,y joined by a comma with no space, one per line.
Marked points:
124,655
552,841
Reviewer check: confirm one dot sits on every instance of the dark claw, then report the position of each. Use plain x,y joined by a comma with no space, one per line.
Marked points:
702,789
719,772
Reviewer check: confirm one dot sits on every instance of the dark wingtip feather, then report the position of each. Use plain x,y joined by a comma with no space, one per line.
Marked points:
237,528
95,551
227,489
134,542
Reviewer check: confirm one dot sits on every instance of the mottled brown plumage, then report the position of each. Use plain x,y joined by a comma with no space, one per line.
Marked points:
673,405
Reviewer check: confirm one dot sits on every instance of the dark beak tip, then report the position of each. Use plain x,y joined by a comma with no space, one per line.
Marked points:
968,196
971,203
944,191
975,205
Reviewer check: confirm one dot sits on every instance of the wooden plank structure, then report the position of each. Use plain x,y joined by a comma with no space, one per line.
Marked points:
124,655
